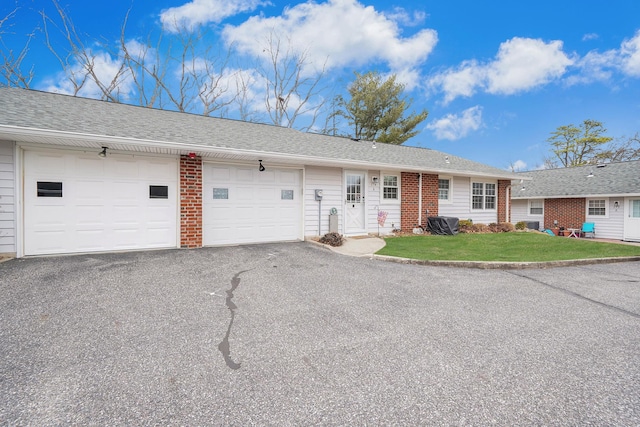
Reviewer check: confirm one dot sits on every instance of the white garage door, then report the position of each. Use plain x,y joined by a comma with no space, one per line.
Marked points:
243,205
80,202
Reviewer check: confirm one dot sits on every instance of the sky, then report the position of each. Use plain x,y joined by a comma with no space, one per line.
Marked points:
497,77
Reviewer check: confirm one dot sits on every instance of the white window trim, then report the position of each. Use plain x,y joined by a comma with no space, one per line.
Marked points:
606,208
450,199
529,207
384,201
484,196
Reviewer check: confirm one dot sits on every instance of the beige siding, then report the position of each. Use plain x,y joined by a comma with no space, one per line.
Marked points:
7,198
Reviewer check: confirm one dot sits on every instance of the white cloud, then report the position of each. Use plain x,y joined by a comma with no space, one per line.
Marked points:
463,81
106,69
403,17
521,64
344,33
590,36
518,165
198,12
630,52
593,67
453,126
596,66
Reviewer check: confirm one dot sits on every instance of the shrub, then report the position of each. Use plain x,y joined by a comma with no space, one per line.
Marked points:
521,225
464,225
506,227
480,228
467,226
332,239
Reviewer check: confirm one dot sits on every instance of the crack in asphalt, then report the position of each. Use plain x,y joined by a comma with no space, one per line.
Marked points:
224,346
577,295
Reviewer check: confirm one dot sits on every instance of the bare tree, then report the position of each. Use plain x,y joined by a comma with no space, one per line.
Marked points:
292,86
246,97
622,150
78,61
11,69
179,72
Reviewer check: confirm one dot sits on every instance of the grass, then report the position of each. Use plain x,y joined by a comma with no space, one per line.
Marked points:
513,247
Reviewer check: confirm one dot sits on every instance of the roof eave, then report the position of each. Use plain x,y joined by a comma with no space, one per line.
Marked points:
43,136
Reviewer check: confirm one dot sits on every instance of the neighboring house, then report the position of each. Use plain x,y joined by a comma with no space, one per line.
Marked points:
80,175
606,194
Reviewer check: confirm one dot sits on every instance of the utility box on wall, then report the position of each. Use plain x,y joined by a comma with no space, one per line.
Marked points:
333,223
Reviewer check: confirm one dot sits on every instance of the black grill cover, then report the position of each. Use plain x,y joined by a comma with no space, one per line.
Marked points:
442,225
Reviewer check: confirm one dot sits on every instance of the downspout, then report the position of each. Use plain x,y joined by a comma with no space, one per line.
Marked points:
507,212
420,200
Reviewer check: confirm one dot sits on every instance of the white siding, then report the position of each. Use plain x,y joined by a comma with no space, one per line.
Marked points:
330,181
520,212
7,198
461,206
611,227
375,203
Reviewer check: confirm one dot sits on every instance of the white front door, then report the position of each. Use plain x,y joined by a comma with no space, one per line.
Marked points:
355,221
632,219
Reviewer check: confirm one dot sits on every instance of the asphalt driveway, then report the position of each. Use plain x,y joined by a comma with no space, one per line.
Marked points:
294,334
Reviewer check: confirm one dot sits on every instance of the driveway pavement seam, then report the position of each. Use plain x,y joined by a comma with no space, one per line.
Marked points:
577,295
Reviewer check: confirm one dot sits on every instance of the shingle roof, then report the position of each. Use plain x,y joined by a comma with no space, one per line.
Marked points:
58,118
608,179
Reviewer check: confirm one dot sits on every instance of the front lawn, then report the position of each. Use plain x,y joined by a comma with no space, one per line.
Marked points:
514,247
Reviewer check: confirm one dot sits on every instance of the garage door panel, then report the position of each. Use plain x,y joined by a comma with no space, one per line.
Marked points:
266,194
266,177
255,210
90,217
242,194
105,203
126,169
244,175
48,163
88,166
90,240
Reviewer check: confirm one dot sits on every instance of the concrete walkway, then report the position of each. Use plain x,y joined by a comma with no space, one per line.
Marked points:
360,246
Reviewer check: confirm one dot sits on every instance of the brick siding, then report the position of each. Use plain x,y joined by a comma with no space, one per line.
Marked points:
502,197
409,204
570,213
190,202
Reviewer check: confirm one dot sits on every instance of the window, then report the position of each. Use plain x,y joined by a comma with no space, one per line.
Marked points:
536,207
597,207
354,188
634,208
444,189
490,196
483,195
220,193
477,195
390,189
49,189
158,192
